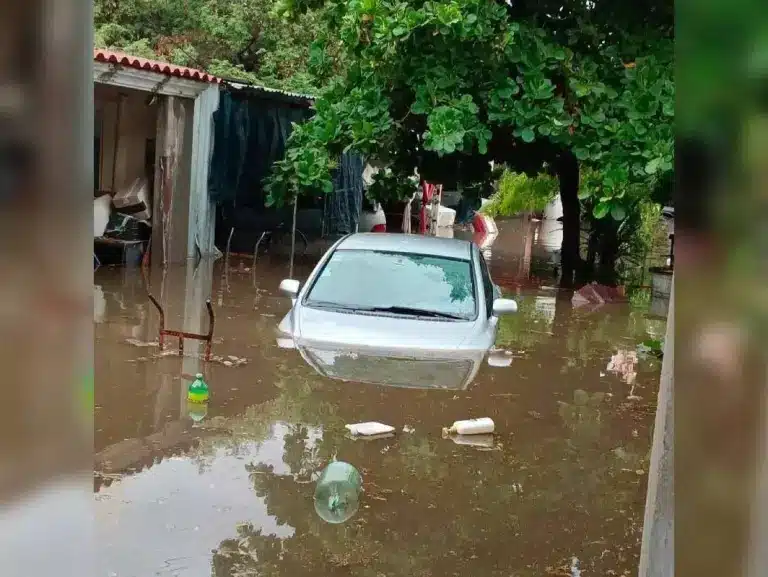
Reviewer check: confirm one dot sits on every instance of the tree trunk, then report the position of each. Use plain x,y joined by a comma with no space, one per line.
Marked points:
568,174
588,267
609,252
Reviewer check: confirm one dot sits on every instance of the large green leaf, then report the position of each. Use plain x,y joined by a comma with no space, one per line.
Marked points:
528,135
618,212
652,166
601,209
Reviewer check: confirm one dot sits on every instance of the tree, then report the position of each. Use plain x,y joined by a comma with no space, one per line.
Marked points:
446,87
241,40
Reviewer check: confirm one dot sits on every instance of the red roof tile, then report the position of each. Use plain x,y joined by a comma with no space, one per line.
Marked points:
111,57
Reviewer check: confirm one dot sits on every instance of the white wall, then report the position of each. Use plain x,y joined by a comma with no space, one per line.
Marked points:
137,123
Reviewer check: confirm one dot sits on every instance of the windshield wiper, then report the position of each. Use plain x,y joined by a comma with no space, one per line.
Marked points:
330,305
413,311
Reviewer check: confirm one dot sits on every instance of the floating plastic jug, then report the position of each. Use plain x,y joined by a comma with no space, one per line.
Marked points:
472,427
337,495
198,390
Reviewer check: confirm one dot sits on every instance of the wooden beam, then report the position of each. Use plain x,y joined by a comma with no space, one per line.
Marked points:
170,141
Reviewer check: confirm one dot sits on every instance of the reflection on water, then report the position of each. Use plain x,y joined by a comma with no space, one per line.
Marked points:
232,494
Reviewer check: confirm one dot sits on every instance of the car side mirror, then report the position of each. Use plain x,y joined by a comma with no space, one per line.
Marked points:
504,307
290,287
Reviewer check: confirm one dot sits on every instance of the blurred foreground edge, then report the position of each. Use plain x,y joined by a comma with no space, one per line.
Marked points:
46,124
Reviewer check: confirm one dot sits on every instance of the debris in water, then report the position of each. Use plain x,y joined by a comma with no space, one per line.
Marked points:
575,571
168,353
138,343
230,361
470,427
370,437
337,492
408,429
500,359
369,429
480,441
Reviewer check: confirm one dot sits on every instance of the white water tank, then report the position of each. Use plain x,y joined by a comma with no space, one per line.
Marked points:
445,216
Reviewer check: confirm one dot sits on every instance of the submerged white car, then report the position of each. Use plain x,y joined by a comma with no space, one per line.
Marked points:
397,293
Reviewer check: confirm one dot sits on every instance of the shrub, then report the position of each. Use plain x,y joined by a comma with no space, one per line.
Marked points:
517,193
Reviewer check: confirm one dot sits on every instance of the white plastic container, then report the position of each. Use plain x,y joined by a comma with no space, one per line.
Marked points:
481,426
369,429
445,216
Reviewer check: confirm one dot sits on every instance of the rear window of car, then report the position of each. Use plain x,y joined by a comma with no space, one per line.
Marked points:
366,279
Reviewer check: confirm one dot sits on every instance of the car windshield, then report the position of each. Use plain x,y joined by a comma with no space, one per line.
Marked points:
398,283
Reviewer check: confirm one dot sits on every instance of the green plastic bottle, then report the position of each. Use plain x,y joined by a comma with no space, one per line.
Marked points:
197,411
337,495
198,390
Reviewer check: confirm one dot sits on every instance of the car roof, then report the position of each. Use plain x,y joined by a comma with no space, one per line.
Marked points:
408,244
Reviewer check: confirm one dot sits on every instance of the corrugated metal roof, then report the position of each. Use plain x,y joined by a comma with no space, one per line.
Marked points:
258,88
111,57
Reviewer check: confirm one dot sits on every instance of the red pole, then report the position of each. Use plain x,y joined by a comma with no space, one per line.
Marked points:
426,196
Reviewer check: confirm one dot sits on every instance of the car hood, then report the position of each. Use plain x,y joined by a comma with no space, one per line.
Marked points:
420,369
393,332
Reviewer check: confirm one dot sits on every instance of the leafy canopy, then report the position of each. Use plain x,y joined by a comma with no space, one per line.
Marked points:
456,83
242,39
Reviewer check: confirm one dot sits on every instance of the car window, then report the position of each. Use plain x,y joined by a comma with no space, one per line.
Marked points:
366,279
488,287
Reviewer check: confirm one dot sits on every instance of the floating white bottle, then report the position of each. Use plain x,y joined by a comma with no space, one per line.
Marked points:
369,429
481,426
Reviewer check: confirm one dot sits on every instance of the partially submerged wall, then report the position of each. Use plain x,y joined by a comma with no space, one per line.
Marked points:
657,558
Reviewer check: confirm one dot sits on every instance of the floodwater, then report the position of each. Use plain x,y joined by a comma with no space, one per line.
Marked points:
229,493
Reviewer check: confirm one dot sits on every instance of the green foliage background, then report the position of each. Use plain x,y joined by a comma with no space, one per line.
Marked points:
241,40
517,193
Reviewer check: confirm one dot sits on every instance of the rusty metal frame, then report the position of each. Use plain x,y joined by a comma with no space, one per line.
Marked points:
208,338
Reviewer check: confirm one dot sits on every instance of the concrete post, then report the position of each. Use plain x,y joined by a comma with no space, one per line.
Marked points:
657,552
171,203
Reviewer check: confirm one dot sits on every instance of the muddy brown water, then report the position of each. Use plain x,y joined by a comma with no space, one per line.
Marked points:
230,493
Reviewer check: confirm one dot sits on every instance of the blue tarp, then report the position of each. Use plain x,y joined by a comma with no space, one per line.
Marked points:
250,131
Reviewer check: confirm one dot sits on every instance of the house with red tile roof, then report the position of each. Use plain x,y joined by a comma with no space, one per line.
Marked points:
152,151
